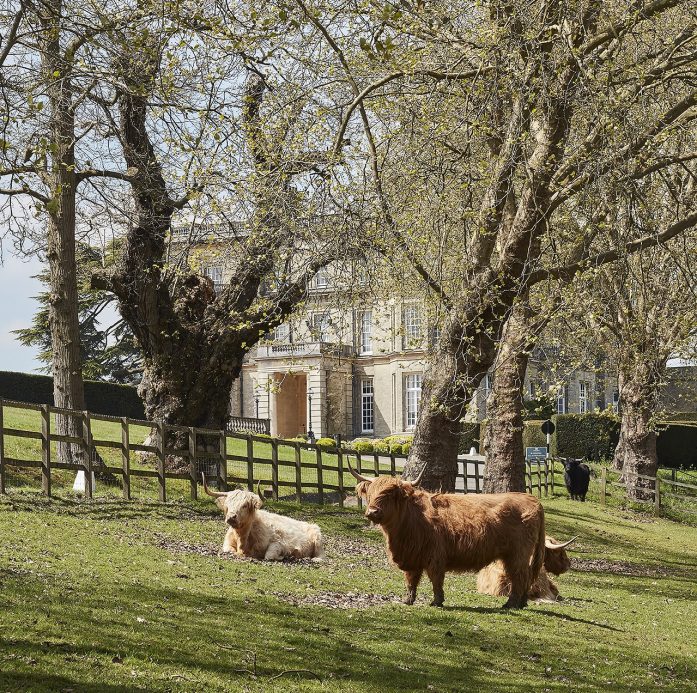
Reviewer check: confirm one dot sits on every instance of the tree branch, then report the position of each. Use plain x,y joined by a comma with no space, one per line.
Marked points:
567,272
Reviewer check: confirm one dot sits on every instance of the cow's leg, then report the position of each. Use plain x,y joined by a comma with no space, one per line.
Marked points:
274,552
437,577
519,575
412,579
230,544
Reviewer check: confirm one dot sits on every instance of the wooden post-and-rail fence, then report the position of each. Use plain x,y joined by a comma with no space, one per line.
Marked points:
298,467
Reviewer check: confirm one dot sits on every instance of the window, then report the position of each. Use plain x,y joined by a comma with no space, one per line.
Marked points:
561,400
215,274
412,326
413,398
321,280
365,345
615,401
488,385
367,406
321,322
282,333
583,397
531,389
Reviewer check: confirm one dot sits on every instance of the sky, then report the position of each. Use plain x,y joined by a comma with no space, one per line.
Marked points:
16,310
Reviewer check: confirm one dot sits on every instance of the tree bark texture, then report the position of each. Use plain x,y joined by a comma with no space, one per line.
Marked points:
503,440
639,389
68,388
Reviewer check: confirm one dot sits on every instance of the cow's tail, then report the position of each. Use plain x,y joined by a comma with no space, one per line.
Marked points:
538,556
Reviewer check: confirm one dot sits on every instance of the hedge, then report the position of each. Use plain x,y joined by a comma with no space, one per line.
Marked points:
676,446
593,436
532,434
100,397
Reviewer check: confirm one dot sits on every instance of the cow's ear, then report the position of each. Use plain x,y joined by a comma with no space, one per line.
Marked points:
220,502
255,503
407,488
362,488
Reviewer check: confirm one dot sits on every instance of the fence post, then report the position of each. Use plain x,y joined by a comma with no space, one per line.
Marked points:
393,464
553,472
603,485
340,467
274,468
376,463
193,481
359,469
250,462
87,443
46,449
126,458
546,478
222,462
320,486
298,473
657,498
477,482
2,451
161,461
539,481
529,477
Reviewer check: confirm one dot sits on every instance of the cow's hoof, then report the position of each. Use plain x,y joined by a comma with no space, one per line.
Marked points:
409,601
435,603
514,605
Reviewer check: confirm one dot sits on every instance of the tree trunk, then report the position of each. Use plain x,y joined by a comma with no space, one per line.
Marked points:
68,388
639,386
448,387
638,398
505,459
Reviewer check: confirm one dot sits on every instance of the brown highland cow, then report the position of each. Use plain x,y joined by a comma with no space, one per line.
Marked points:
493,579
442,532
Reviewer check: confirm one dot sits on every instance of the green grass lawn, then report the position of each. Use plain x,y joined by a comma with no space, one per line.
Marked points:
146,488
115,596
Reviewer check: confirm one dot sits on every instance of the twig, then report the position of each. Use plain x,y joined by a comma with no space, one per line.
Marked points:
295,671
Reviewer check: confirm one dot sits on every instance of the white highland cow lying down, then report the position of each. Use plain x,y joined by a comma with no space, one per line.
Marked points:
255,533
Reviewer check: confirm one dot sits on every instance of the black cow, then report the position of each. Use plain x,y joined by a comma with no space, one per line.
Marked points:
576,477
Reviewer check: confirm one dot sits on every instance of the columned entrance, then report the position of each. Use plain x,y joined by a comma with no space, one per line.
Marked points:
289,405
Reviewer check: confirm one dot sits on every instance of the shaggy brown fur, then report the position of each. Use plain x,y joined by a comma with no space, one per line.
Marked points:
493,579
439,532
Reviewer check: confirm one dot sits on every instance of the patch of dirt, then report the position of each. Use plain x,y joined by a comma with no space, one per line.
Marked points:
339,600
601,565
351,552
162,541
178,546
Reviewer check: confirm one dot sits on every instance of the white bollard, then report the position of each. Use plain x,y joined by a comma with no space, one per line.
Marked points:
79,484
473,450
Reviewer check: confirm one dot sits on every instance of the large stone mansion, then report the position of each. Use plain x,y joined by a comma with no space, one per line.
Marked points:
355,367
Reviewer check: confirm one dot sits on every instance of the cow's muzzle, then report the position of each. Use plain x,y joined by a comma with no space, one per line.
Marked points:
232,522
373,514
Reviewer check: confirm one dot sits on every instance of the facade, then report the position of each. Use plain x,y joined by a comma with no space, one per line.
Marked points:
338,370
353,365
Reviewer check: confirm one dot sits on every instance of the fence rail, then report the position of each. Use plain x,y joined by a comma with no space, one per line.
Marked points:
657,491
289,467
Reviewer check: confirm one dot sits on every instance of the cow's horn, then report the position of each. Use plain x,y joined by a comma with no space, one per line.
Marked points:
355,474
259,490
551,545
417,481
213,494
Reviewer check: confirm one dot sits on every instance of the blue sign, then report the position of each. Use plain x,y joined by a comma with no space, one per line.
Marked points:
536,454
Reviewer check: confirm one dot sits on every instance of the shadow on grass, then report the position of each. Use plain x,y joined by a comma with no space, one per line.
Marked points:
531,608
